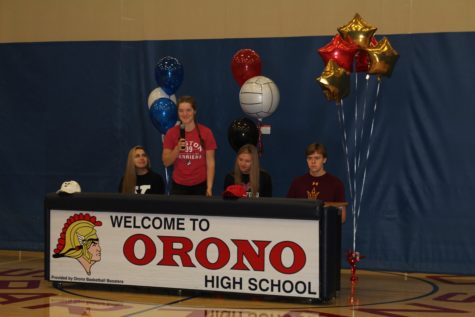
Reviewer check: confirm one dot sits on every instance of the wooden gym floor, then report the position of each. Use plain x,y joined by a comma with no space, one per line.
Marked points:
24,292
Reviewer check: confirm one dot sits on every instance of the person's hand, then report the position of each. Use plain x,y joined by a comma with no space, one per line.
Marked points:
182,144
209,192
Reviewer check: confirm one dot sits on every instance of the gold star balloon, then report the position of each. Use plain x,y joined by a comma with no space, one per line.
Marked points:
357,31
382,58
334,81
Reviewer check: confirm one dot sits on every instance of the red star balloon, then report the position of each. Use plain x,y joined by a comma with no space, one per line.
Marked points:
342,52
334,81
357,31
382,58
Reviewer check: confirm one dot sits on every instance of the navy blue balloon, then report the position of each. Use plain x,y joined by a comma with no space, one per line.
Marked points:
169,74
164,114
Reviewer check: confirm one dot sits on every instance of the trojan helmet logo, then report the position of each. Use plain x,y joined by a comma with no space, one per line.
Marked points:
78,240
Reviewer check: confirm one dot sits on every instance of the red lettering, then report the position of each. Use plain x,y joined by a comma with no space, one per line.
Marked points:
169,251
253,251
202,253
276,257
20,284
12,298
449,297
255,259
129,249
429,309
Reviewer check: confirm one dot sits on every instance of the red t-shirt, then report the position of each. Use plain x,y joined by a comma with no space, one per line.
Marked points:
326,188
190,166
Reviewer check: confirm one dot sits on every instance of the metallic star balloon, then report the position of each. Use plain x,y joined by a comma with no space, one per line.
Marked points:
382,57
357,31
340,51
334,81
362,58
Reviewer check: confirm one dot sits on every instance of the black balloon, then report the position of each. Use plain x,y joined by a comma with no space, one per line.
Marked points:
242,131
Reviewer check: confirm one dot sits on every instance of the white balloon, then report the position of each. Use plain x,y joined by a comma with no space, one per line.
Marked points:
259,97
158,93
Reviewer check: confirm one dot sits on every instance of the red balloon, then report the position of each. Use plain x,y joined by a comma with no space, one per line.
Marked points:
341,51
245,64
362,58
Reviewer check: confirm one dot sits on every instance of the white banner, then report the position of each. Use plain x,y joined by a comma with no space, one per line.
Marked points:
209,253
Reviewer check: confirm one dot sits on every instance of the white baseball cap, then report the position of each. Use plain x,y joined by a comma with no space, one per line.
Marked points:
69,187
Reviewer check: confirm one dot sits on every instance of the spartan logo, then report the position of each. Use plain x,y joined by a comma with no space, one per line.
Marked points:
78,240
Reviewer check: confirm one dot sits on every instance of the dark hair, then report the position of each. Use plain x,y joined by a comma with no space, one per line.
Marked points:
192,102
316,147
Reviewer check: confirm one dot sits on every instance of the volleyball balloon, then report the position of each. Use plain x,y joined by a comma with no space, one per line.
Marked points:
259,97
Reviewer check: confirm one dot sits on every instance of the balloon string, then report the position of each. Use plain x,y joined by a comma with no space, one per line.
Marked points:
369,141
167,177
341,120
260,145
363,116
355,146
366,159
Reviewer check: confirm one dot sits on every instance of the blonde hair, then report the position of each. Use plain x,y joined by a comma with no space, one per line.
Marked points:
129,180
255,169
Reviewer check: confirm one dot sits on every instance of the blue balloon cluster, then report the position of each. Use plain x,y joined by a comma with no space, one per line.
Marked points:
163,114
169,74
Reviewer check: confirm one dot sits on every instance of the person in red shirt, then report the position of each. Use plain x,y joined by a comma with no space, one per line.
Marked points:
191,152
318,183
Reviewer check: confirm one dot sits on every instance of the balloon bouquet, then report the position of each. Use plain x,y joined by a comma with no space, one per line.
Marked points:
259,98
355,49
161,100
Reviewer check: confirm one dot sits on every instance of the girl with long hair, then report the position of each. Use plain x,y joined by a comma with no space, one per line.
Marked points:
190,148
247,172
138,177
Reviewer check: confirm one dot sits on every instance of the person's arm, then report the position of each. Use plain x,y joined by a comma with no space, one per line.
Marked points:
291,191
169,155
120,184
158,185
343,214
210,170
341,197
266,190
269,188
171,147
228,180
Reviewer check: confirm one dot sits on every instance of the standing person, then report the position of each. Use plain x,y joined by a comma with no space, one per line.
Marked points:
190,148
138,177
257,182
318,183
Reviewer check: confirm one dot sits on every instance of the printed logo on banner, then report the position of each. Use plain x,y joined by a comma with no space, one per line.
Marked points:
214,253
78,240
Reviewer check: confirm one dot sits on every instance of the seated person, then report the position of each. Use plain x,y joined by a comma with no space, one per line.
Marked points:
138,177
257,182
318,183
